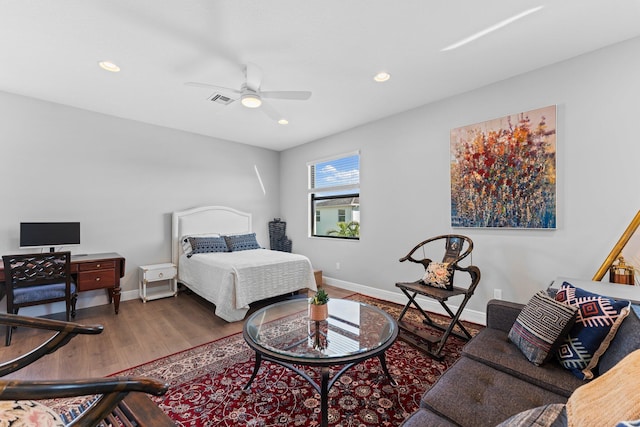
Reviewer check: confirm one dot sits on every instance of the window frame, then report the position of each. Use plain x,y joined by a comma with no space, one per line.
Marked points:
351,190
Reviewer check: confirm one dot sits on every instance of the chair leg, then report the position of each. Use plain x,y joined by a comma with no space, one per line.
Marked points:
74,299
10,329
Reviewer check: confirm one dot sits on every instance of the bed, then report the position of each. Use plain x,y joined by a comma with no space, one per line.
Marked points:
233,280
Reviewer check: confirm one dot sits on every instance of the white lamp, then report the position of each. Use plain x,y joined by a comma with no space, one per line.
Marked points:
251,100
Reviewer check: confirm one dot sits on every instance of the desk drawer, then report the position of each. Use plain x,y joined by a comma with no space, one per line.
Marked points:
96,279
97,265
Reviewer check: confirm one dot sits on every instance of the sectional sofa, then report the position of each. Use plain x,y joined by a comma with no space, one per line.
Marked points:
493,381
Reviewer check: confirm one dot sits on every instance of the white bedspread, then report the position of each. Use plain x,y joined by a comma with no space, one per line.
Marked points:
233,280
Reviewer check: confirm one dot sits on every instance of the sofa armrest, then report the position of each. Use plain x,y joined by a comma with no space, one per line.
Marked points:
502,314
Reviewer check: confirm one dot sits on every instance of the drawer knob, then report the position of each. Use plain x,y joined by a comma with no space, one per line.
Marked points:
98,265
97,279
161,275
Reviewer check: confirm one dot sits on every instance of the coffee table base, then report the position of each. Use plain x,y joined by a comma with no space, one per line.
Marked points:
326,383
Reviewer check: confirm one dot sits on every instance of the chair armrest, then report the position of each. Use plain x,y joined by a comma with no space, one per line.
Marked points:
113,390
502,314
65,331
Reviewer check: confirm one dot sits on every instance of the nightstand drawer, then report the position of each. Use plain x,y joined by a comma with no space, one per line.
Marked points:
97,265
96,279
162,273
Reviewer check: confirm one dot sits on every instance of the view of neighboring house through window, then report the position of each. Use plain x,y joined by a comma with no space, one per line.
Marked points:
334,192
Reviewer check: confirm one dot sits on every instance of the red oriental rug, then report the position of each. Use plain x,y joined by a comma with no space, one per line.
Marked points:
206,384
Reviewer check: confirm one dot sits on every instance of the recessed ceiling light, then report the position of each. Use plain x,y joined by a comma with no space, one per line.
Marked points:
491,29
382,76
109,66
283,121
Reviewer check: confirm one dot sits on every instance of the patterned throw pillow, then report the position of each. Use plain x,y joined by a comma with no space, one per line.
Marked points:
27,413
202,245
438,275
596,325
186,247
541,326
242,242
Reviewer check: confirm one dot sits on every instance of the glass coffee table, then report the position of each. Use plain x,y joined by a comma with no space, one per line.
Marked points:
353,332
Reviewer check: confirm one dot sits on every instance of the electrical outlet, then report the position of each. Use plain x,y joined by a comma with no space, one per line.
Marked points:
337,266
497,293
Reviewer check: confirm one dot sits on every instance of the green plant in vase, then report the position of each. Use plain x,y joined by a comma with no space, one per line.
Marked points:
320,298
318,309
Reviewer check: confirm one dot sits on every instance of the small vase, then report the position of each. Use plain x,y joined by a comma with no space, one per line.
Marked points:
318,312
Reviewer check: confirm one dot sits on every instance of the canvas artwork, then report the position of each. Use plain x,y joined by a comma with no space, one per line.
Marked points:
503,172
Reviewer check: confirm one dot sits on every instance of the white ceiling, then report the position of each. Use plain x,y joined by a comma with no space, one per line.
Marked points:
50,49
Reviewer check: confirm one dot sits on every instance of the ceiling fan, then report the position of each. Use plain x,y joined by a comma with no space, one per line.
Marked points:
250,94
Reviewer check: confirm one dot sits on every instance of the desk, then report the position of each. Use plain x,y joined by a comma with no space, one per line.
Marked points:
95,271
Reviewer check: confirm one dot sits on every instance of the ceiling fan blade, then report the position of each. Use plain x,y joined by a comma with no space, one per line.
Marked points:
208,86
295,95
253,75
270,111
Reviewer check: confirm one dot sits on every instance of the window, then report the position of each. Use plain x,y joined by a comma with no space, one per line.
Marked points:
334,194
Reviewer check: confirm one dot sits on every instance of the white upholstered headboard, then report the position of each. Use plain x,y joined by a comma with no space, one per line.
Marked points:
206,219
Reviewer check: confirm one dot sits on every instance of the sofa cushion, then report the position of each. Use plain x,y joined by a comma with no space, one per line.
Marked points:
423,417
596,324
627,339
541,326
552,415
491,347
471,393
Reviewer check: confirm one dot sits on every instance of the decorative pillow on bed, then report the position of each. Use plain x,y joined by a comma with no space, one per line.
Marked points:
596,325
242,242
438,275
186,246
541,327
202,245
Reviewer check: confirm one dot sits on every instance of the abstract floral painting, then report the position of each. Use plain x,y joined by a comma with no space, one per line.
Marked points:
503,172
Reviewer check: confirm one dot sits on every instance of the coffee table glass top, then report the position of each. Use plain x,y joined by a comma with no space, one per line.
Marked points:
352,328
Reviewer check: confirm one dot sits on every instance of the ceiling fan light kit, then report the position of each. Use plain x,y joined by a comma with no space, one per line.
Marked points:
251,95
250,100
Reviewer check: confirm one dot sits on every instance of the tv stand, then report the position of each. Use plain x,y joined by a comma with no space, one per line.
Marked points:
94,271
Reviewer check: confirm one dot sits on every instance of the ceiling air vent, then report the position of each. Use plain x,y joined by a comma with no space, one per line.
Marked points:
220,99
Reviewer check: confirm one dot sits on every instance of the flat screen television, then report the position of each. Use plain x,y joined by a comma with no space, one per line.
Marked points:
49,234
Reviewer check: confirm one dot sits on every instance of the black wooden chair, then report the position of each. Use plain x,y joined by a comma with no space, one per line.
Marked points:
438,284
118,400
36,279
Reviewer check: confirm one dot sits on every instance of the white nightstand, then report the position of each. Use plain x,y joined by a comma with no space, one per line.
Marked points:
149,274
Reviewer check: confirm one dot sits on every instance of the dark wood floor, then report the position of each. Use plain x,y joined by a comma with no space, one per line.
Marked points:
138,334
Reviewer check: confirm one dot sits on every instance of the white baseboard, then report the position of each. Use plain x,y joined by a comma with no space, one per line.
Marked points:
85,300
99,297
399,298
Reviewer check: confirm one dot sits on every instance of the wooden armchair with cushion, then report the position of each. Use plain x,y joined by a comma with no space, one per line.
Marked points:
438,284
117,401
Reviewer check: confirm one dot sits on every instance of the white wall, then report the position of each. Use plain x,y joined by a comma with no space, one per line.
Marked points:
121,179
405,193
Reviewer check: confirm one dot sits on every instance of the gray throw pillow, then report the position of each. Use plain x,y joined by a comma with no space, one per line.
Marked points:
541,326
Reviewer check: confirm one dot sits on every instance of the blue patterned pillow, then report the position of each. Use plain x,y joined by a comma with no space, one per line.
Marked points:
541,326
242,242
596,325
202,245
